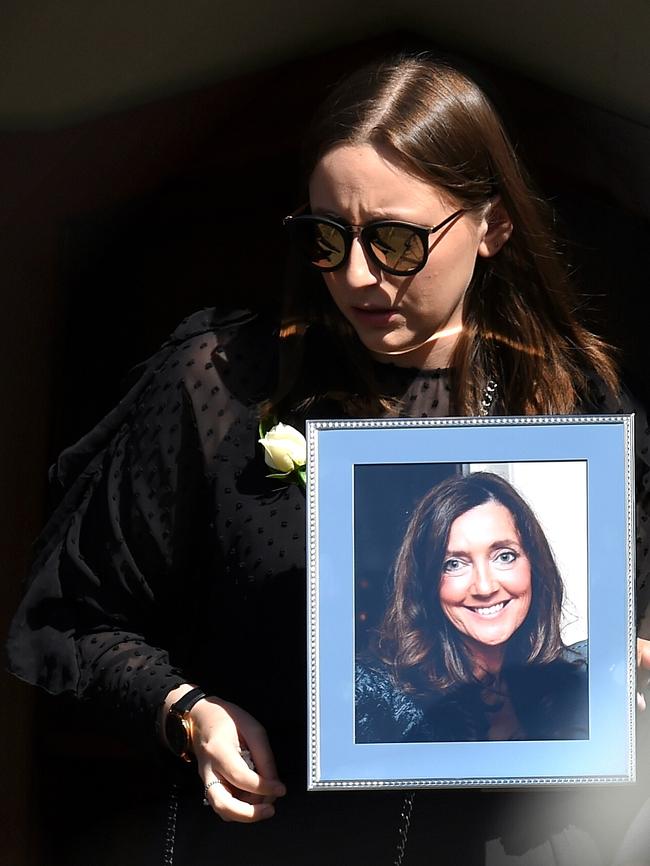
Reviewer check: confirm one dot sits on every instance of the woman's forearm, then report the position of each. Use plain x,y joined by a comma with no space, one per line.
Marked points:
128,677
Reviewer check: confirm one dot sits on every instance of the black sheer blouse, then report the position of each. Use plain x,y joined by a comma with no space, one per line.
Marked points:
172,557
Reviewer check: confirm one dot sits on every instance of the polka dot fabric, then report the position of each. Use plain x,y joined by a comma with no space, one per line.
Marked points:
170,534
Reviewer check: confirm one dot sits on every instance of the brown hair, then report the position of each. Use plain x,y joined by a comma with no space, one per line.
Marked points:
519,323
416,640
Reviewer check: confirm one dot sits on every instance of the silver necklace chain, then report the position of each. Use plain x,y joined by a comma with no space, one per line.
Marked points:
170,826
404,827
488,397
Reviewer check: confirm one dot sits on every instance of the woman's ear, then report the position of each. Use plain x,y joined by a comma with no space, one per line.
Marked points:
499,229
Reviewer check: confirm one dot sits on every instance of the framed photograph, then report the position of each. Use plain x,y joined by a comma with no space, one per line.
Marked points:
471,602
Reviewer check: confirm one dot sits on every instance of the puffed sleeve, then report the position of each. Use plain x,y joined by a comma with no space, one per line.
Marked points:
131,530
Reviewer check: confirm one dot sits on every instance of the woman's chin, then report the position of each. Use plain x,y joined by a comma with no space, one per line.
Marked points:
408,349
389,350
420,352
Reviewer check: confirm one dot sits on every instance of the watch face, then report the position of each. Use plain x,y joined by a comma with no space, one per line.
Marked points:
177,733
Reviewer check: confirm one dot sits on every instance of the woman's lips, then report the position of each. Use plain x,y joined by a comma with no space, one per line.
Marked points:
377,316
491,610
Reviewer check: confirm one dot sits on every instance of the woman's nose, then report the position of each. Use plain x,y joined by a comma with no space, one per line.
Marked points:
484,580
360,270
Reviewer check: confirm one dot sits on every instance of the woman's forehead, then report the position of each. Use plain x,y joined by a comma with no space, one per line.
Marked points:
484,522
369,179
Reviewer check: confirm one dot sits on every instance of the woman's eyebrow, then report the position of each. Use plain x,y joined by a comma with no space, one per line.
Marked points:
505,542
376,217
494,545
326,212
457,553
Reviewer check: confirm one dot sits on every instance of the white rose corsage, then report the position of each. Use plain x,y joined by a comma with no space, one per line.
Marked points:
285,450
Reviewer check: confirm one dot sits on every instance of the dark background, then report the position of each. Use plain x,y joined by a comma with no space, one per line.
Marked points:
146,161
380,523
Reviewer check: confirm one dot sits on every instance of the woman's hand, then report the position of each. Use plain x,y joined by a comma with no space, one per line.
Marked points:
642,670
220,731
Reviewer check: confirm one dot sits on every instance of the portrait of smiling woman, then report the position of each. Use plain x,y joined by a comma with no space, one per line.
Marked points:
470,645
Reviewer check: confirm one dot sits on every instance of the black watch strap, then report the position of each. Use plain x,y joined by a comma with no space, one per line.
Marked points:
184,705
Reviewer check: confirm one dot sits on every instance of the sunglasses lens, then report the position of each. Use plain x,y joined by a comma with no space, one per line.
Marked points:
396,247
322,243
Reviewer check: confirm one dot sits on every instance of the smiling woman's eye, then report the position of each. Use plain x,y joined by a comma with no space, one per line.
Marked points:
453,565
506,557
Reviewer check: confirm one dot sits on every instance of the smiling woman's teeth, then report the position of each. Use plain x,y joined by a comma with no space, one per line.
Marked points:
490,611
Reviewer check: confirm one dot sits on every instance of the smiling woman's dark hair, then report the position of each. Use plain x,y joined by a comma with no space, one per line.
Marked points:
421,647
519,322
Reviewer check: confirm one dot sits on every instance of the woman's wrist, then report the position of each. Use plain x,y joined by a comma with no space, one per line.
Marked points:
175,728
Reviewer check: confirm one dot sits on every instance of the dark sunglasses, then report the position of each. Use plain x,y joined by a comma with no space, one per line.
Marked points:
399,248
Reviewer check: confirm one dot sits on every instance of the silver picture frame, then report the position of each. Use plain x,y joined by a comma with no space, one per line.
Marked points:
364,480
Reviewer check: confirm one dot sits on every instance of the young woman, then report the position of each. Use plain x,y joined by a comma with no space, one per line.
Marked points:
470,646
168,588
